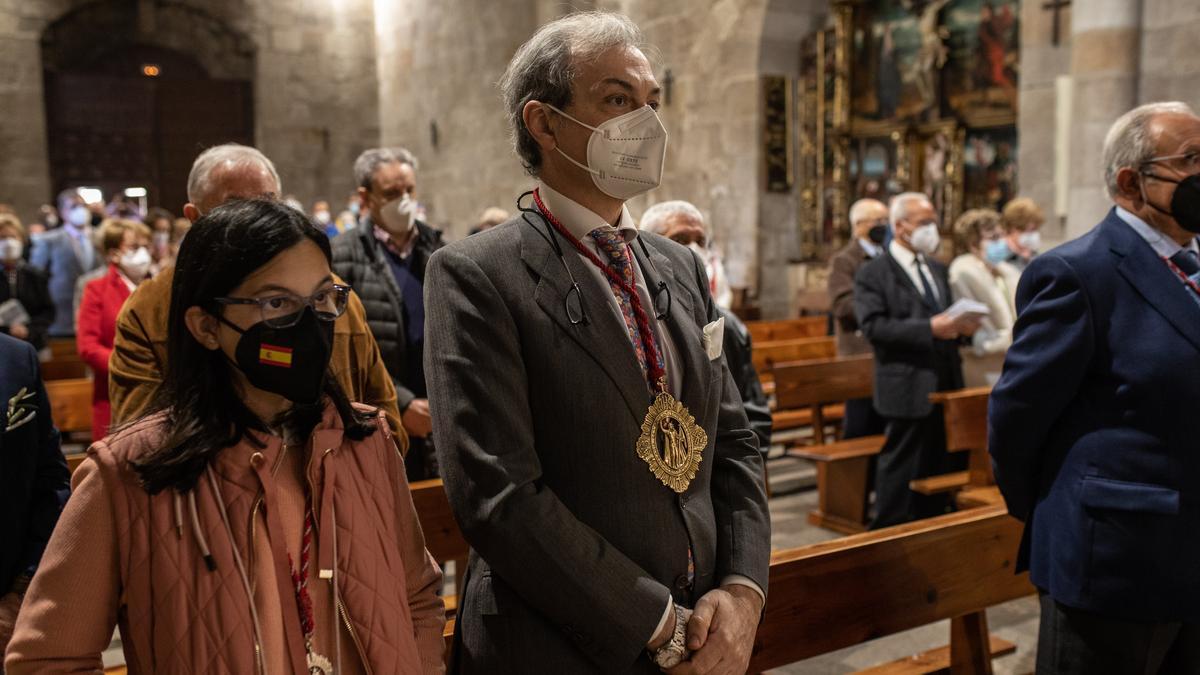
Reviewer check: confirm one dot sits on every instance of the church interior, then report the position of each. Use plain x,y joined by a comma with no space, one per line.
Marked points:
781,115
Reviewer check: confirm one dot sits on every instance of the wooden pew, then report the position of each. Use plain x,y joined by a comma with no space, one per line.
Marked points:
843,466
965,413
442,536
64,368
788,329
766,354
827,596
60,347
71,406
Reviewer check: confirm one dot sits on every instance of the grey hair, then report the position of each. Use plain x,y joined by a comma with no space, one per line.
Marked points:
370,160
902,206
655,218
858,210
199,183
1129,142
544,67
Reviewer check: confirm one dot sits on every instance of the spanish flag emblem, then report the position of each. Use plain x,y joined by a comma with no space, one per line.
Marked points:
270,355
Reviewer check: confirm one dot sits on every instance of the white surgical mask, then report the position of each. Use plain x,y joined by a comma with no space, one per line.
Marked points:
322,217
79,216
925,239
11,249
625,155
136,264
1030,240
399,216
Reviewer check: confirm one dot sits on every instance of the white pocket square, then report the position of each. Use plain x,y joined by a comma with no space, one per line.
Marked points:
714,339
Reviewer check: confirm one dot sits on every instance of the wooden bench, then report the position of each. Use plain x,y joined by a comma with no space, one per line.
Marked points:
836,594
442,536
965,414
64,368
60,347
788,329
766,354
71,406
843,466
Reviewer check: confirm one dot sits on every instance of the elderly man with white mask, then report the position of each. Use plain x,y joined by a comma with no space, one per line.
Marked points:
900,299
593,444
384,261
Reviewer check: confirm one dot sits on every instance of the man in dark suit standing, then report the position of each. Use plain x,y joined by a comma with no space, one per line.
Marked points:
869,221
1092,426
34,482
594,448
900,299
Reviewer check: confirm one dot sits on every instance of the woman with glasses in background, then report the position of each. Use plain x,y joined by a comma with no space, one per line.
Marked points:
257,521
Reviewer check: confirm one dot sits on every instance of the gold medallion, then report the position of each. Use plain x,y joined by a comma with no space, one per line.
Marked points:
671,442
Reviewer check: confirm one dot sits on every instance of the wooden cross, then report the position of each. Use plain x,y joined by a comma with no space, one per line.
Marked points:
1056,6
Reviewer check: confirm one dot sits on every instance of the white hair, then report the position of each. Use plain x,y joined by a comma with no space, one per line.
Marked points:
655,218
199,183
544,67
370,160
902,205
859,209
1129,142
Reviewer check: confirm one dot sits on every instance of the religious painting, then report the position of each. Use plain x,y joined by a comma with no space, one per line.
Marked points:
980,75
990,167
875,167
899,53
937,162
777,132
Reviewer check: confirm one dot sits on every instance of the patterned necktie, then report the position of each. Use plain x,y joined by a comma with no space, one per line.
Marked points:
612,245
1186,260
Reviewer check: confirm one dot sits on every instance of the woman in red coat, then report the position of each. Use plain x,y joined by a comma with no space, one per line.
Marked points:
124,245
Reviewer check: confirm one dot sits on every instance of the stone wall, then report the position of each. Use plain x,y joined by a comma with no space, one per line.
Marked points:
316,94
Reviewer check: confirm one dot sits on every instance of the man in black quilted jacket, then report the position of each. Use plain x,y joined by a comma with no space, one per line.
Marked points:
384,260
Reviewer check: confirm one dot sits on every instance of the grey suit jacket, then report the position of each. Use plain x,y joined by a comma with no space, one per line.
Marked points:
576,546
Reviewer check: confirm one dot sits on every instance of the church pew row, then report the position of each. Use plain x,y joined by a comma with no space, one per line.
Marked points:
788,329
843,466
765,355
965,414
71,405
950,567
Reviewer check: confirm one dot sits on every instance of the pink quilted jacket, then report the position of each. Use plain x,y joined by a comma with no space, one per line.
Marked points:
122,556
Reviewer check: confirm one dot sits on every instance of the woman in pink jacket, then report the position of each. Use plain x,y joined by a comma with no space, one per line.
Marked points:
258,522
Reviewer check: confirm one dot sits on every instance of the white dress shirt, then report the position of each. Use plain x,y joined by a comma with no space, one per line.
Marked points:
908,261
580,222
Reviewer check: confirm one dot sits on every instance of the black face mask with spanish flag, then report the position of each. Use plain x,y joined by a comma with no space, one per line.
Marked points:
288,361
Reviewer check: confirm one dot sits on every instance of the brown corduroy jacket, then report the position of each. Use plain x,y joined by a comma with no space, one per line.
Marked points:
139,356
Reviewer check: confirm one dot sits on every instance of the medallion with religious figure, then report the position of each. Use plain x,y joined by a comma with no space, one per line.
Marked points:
672,444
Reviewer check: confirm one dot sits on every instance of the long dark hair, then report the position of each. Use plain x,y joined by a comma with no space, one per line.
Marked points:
205,413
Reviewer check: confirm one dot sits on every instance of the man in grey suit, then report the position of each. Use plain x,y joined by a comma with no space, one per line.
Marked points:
597,523
65,254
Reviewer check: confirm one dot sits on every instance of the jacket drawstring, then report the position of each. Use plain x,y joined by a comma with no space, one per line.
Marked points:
209,561
178,514
325,552
237,557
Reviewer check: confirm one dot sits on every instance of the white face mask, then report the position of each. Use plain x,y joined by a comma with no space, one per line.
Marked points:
11,249
625,155
1030,240
399,216
135,264
322,217
925,239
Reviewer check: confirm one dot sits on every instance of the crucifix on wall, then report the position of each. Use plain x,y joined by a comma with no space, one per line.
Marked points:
1056,6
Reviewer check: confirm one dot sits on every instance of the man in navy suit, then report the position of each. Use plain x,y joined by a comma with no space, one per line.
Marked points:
34,482
1094,428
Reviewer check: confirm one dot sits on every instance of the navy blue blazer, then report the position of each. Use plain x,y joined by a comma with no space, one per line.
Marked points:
1094,429
34,481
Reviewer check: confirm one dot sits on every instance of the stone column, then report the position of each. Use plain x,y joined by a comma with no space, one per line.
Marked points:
24,164
1170,64
1105,47
1042,63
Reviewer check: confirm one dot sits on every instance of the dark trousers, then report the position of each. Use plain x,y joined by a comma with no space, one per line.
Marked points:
913,449
861,419
1077,642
